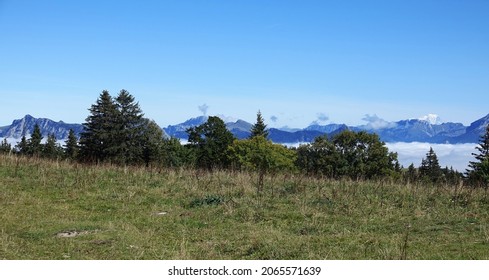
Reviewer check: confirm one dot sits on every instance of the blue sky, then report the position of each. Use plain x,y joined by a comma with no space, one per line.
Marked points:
294,60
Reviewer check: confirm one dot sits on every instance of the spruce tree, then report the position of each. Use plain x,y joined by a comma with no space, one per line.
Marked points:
430,167
34,143
98,138
51,149
22,147
71,146
259,128
129,129
478,172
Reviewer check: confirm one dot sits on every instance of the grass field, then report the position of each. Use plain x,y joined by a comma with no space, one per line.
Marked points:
53,210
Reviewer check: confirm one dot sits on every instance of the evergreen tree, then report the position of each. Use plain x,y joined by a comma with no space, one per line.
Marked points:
478,172
259,128
51,149
411,174
211,141
98,138
22,147
129,129
34,147
430,168
5,147
71,146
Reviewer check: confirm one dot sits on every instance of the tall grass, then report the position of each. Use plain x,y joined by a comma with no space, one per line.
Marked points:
62,210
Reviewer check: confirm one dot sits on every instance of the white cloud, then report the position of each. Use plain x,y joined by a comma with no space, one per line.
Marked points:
451,155
322,119
203,109
374,122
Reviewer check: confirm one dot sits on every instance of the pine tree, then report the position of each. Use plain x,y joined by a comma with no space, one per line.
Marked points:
34,143
71,147
430,167
478,172
98,138
259,128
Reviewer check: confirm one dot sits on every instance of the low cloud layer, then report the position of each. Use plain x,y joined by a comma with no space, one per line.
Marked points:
274,118
451,155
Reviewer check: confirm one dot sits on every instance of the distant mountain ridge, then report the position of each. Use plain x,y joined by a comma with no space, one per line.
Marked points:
25,126
412,130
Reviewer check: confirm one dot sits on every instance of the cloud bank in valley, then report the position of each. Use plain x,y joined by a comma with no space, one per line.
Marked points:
451,155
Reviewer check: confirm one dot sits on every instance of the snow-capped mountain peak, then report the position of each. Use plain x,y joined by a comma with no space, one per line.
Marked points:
431,118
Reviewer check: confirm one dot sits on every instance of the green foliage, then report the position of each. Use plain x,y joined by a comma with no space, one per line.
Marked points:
5,147
411,174
259,128
318,158
348,154
151,143
34,147
478,172
129,129
211,141
51,149
260,154
22,147
117,132
174,154
98,138
71,148
430,168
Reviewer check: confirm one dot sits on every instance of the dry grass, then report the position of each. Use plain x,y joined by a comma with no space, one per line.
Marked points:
137,213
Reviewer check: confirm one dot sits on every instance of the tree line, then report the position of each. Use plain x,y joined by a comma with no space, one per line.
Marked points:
116,132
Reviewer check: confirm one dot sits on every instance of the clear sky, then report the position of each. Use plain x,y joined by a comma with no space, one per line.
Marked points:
294,60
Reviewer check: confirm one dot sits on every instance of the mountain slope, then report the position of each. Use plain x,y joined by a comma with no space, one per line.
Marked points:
25,126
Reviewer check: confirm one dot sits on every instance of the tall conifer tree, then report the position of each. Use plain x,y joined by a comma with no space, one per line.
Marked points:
478,172
71,146
98,137
259,128
129,128
34,143
430,167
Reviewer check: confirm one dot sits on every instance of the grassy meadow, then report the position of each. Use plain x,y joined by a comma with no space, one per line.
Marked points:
60,210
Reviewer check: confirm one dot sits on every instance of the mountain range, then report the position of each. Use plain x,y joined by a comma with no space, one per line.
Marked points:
412,130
